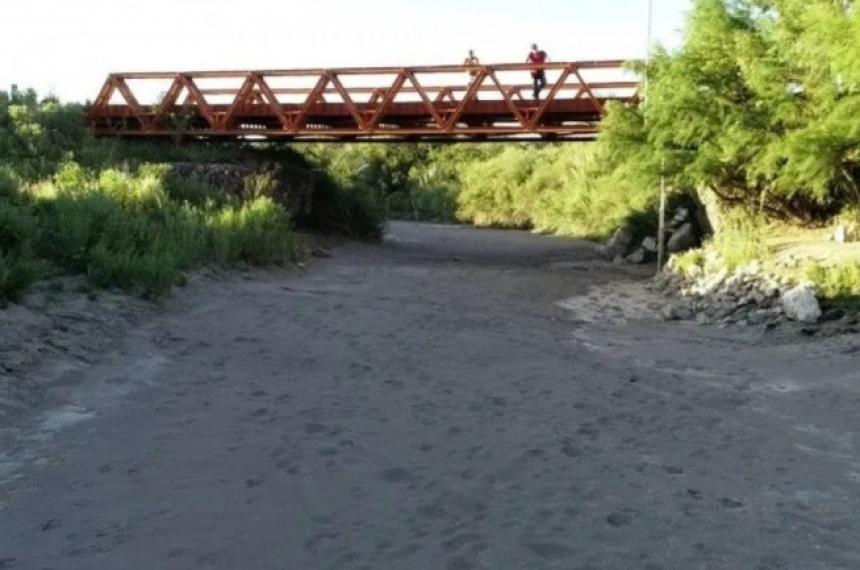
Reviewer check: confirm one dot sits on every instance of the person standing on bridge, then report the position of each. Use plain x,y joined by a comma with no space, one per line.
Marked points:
472,61
539,57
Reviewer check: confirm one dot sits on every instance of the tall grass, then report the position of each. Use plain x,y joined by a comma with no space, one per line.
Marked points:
742,239
127,229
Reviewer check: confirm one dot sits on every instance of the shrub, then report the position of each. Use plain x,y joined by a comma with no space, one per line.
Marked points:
742,239
835,281
351,212
123,229
18,234
257,233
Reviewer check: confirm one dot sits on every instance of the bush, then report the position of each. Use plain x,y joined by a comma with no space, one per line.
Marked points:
352,212
257,233
760,105
835,281
742,239
495,192
18,234
123,229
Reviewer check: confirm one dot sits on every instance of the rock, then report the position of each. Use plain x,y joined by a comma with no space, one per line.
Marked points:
713,283
762,317
665,280
638,257
620,243
834,314
650,244
723,313
709,210
702,320
681,217
676,312
801,304
683,239
682,214
321,253
841,234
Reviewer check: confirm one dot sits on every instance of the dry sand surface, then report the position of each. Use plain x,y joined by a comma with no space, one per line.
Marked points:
453,399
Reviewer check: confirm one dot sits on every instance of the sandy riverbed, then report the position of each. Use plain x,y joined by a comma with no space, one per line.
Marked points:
453,399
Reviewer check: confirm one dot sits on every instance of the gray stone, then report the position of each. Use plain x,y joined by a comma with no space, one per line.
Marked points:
709,211
676,312
638,257
620,243
650,244
801,304
841,234
834,314
683,239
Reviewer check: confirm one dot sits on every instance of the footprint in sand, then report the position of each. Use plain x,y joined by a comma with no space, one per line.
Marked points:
396,475
550,550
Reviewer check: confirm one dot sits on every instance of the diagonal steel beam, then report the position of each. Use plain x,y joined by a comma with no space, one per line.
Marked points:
102,100
239,101
272,101
347,100
386,101
131,100
167,102
550,98
422,93
594,101
469,97
195,96
509,100
313,99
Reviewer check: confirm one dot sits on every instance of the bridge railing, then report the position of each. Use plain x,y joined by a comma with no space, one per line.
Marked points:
446,101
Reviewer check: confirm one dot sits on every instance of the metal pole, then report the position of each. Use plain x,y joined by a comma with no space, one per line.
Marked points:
661,230
661,224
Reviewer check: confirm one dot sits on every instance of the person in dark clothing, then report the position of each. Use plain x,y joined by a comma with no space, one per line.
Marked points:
538,56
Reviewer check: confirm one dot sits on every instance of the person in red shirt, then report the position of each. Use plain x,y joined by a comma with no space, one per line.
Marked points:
538,56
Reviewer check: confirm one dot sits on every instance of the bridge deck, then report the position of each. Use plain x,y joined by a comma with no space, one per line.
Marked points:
476,103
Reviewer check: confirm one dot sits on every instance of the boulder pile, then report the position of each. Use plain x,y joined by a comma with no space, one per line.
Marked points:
682,233
749,296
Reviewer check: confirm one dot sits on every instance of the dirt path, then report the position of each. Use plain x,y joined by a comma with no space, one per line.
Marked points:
452,400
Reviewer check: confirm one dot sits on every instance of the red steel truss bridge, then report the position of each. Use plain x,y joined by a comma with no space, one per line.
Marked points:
435,103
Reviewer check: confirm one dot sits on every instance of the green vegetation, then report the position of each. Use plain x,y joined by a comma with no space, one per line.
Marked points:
835,280
124,229
548,188
115,213
759,107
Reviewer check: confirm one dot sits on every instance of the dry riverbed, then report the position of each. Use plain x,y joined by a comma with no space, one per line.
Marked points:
452,399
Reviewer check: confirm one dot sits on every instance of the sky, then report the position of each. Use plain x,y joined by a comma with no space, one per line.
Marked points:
67,47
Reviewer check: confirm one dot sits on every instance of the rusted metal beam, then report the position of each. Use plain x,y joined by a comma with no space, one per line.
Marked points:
609,64
443,111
